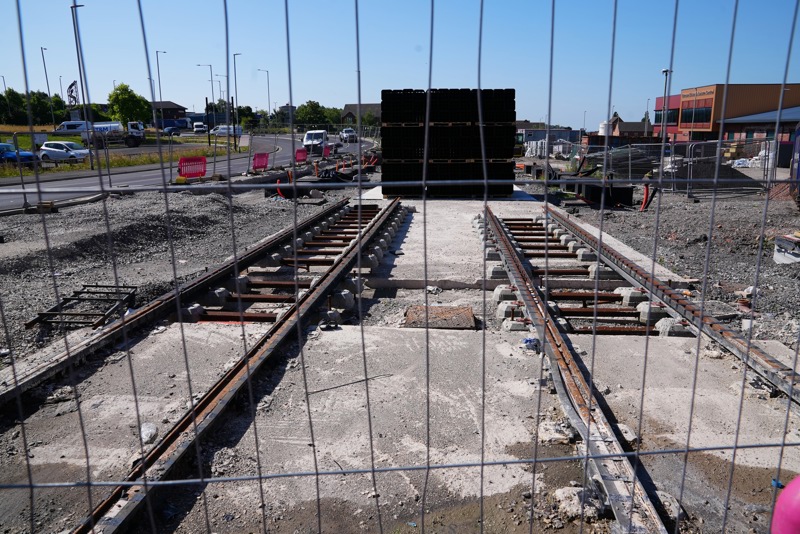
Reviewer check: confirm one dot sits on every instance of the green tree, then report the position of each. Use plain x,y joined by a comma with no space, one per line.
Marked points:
369,119
310,113
333,115
125,105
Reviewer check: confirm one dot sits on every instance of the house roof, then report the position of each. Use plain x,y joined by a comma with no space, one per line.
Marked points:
787,115
375,109
167,104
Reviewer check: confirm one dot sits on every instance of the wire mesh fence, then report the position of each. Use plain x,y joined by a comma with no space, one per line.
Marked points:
184,412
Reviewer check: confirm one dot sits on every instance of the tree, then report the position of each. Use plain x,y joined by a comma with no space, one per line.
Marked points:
369,119
333,115
310,113
125,105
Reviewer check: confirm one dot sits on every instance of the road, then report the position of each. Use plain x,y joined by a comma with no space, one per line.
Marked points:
75,185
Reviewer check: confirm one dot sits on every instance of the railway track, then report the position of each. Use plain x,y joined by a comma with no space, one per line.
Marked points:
335,242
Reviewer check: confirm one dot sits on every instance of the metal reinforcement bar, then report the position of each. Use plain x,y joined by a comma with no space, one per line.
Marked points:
120,509
778,374
627,497
156,309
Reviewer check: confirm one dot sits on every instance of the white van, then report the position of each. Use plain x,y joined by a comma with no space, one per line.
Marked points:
315,140
225,129
199,127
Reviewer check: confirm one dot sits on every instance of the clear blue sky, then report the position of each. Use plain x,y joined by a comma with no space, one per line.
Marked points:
394,49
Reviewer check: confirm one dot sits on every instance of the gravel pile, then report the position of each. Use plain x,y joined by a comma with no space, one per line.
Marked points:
131,236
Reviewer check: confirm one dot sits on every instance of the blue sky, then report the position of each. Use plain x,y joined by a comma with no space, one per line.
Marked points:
395,43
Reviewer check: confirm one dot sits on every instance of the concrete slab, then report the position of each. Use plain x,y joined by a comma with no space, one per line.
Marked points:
398,408
619,364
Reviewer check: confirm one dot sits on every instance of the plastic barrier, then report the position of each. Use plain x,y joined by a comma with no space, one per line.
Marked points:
326,151
301,155
260,161
194,167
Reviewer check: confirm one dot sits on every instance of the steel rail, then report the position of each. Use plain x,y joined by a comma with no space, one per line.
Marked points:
627,497
779,375
157,308
119,510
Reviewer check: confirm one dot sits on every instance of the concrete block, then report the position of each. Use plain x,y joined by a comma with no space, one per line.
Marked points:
273,260
242,283
552,227
353,285
344,300
218,297
628,434
331,220
195,311
324,225
369,261
330,319
564,325
578,502
631,296
557,233
286,251
584,254
553,306
514,325
497,272
386,236
381,243
670,326
574,245
503,292
308,236
315,193
555,433
652,311
316,230
747,325
298,243
508,309
602,272
377,251
566,239
491,254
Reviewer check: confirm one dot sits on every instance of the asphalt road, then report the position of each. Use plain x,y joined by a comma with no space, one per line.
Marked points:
78,184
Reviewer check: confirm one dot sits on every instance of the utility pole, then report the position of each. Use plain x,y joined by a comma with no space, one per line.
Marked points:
160,98
235,93
47,80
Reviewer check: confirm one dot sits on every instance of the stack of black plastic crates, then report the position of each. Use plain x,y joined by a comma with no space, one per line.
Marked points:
455,153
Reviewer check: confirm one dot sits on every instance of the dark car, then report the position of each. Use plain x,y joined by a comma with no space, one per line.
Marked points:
8,154
172,130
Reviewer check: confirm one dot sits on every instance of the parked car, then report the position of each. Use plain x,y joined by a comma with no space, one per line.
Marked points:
224,129
63,151
8,154
172,130
348,135
199,127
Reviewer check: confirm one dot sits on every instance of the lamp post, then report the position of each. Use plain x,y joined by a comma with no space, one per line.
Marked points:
235,93
74,9
61,86
5,94
269,99
115,83
160,98
646,116
47,80
219,86
666,73
213,103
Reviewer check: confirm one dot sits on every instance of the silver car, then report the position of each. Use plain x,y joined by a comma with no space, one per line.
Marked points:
63,151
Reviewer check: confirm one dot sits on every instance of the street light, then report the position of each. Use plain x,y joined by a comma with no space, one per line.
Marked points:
235,93
52,115
219,86
160,98
646,116
213,103
269,99
5,94
666,73
62,88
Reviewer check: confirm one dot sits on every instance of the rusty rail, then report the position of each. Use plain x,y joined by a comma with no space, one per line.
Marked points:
679,306
630,502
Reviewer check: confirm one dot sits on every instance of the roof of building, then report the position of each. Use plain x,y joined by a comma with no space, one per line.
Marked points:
375,109
787,115
167,104
628,127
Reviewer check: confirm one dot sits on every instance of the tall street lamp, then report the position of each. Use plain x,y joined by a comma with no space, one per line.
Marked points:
160,98
213,102
5,93
666,73
219,86
269,99
60,85
646,116
46,79
235,93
